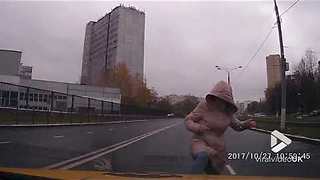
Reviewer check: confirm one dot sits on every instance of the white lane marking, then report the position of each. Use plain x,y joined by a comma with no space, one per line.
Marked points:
87,154
78,163
231,170
58,136
5,142
98,151
89,132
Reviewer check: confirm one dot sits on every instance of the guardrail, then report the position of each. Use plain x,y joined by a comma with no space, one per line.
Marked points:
292,136
295,123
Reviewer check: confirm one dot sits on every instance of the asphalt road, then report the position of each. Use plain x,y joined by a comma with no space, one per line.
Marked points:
151,146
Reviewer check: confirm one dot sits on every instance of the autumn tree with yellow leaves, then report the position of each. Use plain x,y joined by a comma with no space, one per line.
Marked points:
134,90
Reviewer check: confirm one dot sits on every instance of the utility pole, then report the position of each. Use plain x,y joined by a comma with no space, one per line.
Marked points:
283,71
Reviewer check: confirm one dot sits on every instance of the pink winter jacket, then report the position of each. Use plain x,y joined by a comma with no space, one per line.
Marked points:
212,140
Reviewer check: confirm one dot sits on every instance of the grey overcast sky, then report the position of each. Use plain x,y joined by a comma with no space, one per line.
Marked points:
183,40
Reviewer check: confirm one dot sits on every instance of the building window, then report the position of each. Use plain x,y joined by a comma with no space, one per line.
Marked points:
30,97
40,97
45,97
35,97
21,96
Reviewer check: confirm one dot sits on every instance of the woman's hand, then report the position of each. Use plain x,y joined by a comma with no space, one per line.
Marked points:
203,128
192,122
250,123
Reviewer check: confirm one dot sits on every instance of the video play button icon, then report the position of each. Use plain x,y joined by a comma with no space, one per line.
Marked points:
284,141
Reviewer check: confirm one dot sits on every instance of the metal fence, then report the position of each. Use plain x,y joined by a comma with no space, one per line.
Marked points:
28,105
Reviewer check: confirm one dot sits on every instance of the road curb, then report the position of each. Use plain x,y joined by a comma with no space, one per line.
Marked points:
294,137
72,124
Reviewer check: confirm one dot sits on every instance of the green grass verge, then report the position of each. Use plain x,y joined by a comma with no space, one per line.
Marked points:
312,132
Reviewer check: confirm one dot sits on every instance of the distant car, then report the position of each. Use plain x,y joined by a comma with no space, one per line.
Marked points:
313,113
170,115
316,112
259,115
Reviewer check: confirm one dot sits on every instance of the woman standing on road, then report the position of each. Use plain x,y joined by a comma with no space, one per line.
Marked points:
208,122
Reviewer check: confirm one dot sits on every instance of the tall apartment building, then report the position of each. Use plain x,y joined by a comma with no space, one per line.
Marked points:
118,37
273,70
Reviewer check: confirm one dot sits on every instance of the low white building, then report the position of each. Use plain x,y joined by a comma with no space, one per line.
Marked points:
19,90
60,96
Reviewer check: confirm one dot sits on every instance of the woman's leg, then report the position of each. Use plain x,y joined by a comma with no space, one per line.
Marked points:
211,169
200,162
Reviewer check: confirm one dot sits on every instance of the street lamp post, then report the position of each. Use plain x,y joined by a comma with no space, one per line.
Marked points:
228,70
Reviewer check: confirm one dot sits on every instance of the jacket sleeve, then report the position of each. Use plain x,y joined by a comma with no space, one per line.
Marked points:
193,118
237,125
